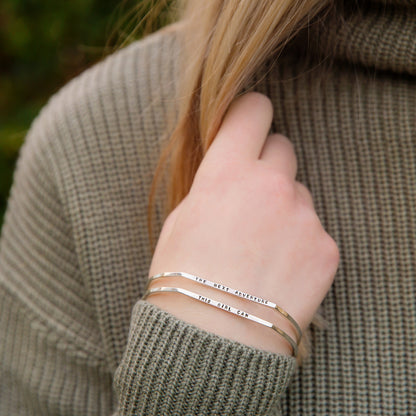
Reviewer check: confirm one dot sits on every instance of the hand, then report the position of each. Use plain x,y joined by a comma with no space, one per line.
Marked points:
247,223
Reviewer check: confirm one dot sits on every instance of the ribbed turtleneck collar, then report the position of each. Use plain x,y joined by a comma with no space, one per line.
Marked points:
379,34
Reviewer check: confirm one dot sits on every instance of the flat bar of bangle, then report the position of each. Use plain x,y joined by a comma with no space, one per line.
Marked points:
235,292
227,308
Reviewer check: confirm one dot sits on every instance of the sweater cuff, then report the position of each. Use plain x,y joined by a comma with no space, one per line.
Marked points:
171,367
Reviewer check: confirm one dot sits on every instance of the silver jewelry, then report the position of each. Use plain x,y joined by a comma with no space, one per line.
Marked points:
235,292
227,308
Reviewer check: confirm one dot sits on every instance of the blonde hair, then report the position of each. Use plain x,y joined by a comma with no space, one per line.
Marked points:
225,43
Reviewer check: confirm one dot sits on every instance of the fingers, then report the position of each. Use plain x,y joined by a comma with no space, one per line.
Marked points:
169,223
279,153
304,194
244,129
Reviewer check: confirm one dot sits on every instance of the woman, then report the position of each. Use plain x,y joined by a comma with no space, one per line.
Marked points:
76,335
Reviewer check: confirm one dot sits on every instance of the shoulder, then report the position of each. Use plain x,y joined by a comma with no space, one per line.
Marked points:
143,65
112,115
78,203
126,94
99,137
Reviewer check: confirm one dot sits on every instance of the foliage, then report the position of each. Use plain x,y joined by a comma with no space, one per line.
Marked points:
45,43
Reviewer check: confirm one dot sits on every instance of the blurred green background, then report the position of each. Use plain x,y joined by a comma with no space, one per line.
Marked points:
45,43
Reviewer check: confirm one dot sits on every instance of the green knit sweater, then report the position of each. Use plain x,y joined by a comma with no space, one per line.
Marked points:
75,337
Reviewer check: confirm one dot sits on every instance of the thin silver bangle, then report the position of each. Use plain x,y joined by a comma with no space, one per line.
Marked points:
235,292
227,308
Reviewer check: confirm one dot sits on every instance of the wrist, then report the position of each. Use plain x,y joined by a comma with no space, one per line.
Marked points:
221,322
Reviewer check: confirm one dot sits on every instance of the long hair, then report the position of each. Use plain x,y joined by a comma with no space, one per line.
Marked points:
224,43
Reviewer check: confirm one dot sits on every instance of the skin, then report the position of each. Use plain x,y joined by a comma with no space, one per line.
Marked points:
247,223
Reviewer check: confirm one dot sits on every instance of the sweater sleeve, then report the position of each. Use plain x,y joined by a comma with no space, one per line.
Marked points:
52,357
75,337
171,367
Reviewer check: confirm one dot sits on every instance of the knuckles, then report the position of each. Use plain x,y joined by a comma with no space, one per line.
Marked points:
308,218
281,186
304,194
332,252
274,185
275,190
330,257
287,145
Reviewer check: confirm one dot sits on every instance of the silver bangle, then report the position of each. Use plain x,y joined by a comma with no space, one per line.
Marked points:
227,308
235,292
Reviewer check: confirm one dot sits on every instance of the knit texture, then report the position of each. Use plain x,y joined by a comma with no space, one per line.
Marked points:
75,338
